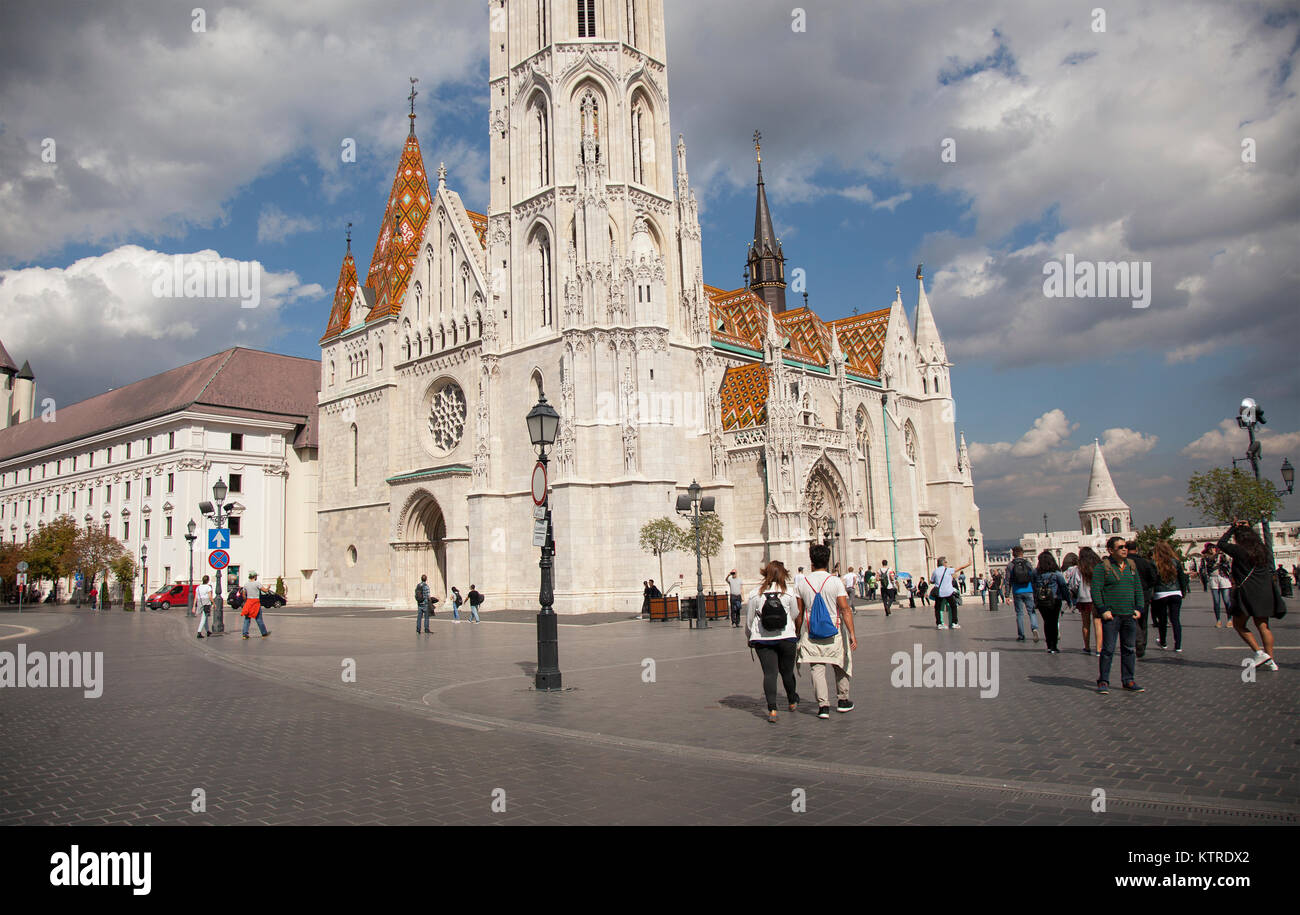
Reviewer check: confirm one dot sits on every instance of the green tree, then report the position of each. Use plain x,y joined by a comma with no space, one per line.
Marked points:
1222,496
662,535
50,554
1150,535
124,571
10,555
93,554
279,586
710,539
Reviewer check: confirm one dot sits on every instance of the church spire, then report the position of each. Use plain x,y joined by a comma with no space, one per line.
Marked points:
1102,495
412,99
928,341
766,259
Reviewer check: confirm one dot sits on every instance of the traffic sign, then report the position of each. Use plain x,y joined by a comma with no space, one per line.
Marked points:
539,533
219,538
218,559
22,567
22,579
539,483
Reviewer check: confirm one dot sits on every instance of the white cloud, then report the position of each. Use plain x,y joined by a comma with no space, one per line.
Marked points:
1227,440
97,323
275,225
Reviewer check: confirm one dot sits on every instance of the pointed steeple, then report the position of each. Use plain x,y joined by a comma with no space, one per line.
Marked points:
402,227
344,292
7,365
25,372
963,456
766,260
928,341
1101,495
837,354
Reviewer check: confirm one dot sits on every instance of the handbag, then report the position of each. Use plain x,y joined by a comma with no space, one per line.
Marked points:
1279,605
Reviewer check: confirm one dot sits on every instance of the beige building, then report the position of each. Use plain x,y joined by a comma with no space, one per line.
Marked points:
584,281
137,460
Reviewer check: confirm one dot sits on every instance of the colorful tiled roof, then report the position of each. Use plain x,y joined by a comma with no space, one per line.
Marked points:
810,338
341,313
399,235
744,396
738,315
480,224
862,340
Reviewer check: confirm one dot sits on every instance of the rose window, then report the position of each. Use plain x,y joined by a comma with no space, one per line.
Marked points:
447,416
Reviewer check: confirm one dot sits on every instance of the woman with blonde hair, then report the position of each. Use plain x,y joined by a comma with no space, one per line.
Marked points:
773,609
1171,586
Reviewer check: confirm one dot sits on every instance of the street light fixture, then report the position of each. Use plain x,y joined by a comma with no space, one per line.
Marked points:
1249,414
144,575
191,537
693,503
543,425
972,540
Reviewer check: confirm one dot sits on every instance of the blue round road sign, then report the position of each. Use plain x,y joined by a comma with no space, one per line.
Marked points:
218,559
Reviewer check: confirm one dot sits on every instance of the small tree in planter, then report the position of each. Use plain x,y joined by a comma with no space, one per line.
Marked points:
279,586
124,571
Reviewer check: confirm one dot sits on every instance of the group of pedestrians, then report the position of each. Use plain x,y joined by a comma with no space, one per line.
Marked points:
208,606
425,602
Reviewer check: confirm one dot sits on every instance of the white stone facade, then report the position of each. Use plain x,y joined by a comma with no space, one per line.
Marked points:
587,285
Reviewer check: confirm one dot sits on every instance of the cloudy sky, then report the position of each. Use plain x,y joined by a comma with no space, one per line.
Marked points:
985,139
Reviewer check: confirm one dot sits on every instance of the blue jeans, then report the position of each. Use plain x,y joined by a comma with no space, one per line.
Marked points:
1221,597
735,609
260,625
1024,604
473,612
455,609
1125,629
422,614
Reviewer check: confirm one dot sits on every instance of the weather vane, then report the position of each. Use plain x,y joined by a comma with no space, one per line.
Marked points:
349,234
758,144
413,95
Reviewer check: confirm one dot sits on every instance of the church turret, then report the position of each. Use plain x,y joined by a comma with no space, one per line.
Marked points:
8,369
766,263
928,342
1103,511
24,397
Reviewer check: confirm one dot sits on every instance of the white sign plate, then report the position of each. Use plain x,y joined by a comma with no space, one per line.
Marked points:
539,512
539,533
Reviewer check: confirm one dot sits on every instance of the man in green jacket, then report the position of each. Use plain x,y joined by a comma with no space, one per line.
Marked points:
1117,600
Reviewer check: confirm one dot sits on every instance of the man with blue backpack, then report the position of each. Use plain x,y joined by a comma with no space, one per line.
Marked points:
825,628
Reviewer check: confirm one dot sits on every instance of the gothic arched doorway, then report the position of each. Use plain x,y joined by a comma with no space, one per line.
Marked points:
823,505
422,545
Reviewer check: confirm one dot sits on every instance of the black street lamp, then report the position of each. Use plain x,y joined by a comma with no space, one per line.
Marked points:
972,540
219,518
543,425
144,576
692,503
191,537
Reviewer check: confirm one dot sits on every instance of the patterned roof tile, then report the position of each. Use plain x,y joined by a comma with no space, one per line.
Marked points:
398,244
744,396
341,314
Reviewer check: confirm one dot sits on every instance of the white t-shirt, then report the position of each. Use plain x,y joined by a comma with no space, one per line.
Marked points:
204,594
850,580
735,586
941,578
831,590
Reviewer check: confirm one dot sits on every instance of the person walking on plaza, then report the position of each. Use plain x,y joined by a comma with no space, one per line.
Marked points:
961,581
734,587
922,589
1079,578
1019,587
1203,572
1172,585
1050,591
888,585
995,590
1220,582
203,601
825,628
871,583
772,611
1253,590
850,579
256,609
945,594
422,596
1117,597
475,599
457,600
1147,575
862,583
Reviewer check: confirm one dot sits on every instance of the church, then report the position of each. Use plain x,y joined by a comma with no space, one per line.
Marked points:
583,282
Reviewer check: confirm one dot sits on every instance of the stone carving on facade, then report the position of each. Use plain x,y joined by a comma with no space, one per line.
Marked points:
718,451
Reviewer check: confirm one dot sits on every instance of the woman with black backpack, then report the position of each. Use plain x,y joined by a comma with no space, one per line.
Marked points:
1050,591
772,635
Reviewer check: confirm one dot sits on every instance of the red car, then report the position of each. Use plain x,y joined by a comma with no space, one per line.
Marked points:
170,596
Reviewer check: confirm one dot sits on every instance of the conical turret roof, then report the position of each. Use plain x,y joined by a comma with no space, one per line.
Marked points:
928,341
398,243
1101,495
341,313
7,364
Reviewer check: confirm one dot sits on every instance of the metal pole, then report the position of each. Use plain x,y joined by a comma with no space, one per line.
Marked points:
191,539
702,621
548,675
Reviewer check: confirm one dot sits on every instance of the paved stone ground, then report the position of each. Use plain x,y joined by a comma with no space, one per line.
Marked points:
434,724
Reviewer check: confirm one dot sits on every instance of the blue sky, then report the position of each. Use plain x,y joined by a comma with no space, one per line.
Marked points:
1118,144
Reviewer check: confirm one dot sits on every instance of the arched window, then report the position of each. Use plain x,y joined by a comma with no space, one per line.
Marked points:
1115,525
1087,528
354,454
442,335
586,18
478,330
540,256
379,357
418,290
637,175
925,386
538,385
936,384
541,23
464,285
631,22
539,142
406,347
864,448
1105,525
590,127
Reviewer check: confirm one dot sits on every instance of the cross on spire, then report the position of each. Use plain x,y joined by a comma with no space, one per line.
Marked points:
758,145
349,236
411,97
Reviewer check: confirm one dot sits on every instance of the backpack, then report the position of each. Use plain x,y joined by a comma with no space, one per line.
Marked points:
237,597
773,616
1045,590
420,592
1022,573
820,624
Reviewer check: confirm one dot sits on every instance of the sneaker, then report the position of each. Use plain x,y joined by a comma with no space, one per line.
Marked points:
824,712
1103,688
795,704
265,634
940,626
1178,651
1261,657
245,638
1270,664
956,625
1086,650
1134,688
1021,638
771,716
1035,635
198,635
1218,624
844,705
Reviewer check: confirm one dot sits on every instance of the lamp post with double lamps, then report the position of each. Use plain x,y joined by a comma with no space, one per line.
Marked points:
972,540
543,424
191,537
219,518
692,504
144,577
1249,414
